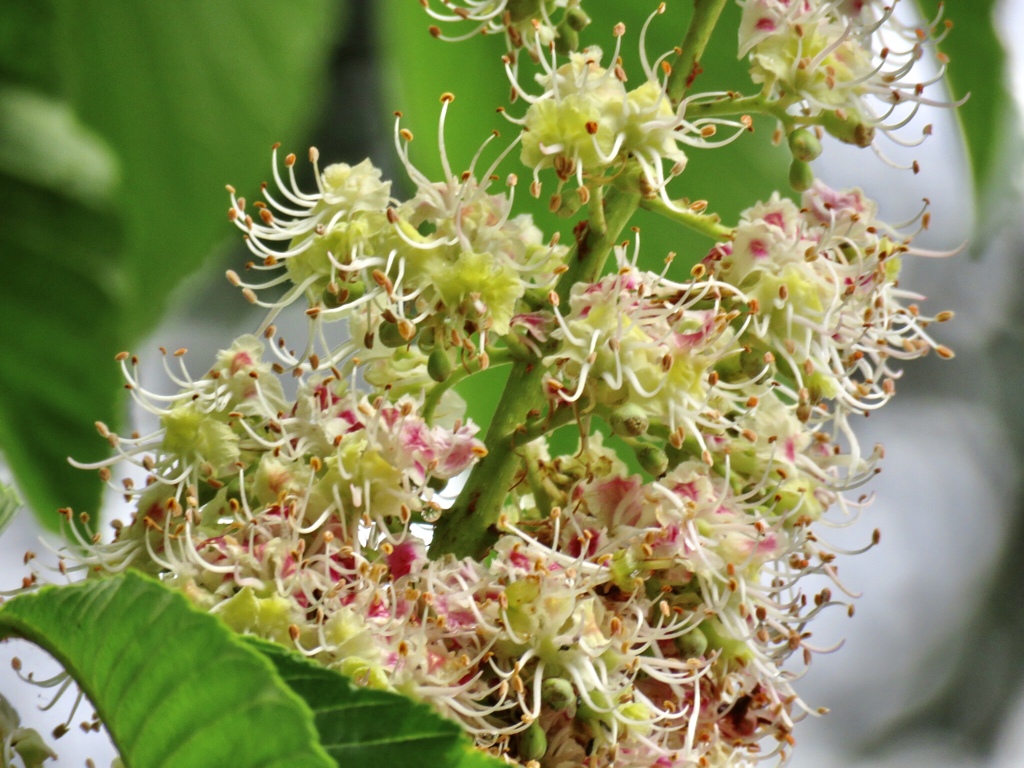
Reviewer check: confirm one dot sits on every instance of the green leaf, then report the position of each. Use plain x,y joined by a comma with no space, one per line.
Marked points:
10,503
191,95
27,54
114,151
174,687
977,67
363,726
60,294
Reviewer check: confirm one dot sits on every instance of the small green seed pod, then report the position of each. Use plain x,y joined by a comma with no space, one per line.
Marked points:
439,365
804,145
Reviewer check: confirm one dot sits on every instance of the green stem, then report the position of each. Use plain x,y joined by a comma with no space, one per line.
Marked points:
686,66
708,225
496,357
469,528
735,104
542,425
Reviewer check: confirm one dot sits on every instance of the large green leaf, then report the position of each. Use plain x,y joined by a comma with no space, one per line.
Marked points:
174,687
128,120
60,294
977,67
191,95
361,726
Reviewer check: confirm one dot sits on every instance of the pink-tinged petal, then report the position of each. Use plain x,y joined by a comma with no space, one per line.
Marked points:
405,556
240,361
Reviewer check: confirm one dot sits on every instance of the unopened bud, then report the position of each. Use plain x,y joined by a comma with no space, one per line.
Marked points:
557,693
629,420
523,10
533,742
652,459
391,336
804,145
576,19
427,339
693,644
801,175
439,365
568,40
848,128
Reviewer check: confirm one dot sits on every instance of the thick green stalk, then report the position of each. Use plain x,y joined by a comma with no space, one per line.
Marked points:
469,528
686,66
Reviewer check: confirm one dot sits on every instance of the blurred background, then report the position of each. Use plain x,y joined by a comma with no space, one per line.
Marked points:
120,126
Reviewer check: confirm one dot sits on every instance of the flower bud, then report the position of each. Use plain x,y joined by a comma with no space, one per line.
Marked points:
693,644
426,339
390,336
523,10
629,420
557,693
848,128
652,459
533,742
801,175
568,40
439,365
804,145
576,19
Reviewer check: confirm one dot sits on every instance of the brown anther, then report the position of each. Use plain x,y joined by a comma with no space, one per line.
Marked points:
383,281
